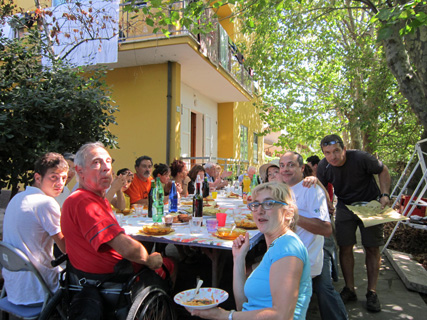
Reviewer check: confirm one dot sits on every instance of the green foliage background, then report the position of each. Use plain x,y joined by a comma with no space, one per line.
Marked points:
44,109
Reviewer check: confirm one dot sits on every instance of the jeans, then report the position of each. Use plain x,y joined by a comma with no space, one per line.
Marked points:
329,300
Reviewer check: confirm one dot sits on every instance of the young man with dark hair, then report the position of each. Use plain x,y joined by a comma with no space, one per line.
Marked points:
32,224
312,162
351,172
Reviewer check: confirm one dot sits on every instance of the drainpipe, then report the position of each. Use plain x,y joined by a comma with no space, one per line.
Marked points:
169,108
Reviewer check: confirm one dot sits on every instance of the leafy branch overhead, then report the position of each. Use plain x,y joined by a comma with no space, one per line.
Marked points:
46,108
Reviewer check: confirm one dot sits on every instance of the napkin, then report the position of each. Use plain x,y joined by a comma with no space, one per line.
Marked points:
371,214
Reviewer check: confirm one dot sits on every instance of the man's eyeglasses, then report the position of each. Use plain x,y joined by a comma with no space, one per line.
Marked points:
330,143
266,205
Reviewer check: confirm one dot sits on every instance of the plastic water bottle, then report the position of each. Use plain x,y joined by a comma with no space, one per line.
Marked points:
173,198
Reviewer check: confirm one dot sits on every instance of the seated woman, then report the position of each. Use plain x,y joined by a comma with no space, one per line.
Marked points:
163,172
220,176
116,193
196,170
179,173
280,287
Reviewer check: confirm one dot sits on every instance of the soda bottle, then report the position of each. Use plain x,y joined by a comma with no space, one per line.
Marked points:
198,201
254,183
246,188
205,188
173,198
150,198
158,201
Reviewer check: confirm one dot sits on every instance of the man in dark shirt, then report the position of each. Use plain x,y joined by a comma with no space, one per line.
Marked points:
351,172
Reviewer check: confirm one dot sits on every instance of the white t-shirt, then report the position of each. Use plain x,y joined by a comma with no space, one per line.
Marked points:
30,221
64,194
311,203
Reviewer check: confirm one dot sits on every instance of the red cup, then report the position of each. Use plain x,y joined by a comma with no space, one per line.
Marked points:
221,217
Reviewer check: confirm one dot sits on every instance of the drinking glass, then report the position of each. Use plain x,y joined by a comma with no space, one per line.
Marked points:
211,224
221,217
196,225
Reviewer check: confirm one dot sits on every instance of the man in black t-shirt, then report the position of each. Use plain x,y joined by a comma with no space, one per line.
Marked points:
351,172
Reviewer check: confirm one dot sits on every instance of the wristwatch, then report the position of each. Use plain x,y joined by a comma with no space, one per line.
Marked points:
384,195
230,315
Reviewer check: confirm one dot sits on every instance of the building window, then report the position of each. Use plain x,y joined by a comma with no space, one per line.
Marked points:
255,148
243,142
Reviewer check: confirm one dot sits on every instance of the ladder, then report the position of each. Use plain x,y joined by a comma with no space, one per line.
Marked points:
419,191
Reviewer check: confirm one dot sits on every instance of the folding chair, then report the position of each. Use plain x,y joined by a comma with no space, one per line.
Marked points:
15,260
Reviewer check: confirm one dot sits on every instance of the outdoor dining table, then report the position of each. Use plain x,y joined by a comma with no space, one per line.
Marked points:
211,245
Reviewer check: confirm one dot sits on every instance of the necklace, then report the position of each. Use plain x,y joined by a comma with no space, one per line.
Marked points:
272,244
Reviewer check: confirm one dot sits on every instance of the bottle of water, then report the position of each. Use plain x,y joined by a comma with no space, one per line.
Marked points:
158,202
173,198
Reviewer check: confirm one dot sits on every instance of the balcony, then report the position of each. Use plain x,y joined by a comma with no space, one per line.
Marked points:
139,46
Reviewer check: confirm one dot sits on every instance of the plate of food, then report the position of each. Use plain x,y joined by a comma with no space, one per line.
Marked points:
245,224
156,229
207,211
233,195
181,219
186,202
228,234
206,298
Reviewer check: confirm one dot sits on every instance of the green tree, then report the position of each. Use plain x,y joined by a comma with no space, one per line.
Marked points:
56,108
323,71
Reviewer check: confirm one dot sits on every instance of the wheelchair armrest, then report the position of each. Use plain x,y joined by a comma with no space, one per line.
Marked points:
59,260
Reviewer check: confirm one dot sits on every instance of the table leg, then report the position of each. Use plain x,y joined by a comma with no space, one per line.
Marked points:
217,258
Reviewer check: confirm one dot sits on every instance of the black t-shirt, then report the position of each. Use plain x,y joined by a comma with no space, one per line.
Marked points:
354,181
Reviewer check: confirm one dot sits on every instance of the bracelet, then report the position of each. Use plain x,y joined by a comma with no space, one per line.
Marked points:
385,195
230,315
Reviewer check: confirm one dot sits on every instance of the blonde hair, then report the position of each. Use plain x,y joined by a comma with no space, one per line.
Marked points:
283,193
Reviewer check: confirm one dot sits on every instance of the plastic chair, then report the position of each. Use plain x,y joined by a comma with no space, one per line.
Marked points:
15,260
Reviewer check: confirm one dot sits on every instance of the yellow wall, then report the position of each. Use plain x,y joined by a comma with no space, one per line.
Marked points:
141,94
226,136
231,116
246,114
30,4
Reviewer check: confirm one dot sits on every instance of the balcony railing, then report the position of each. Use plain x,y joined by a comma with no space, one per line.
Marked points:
215,45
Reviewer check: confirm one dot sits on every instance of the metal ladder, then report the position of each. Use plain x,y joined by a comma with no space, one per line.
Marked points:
419,191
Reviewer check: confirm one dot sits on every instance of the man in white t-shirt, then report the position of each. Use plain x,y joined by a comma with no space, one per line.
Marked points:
32,224
69,157
313,225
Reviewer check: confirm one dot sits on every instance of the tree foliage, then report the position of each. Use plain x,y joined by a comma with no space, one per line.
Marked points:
323,71
56,108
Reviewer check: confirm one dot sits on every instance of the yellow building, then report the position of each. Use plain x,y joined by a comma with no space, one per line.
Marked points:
182,96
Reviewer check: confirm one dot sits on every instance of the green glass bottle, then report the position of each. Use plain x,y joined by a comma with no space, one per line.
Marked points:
158,204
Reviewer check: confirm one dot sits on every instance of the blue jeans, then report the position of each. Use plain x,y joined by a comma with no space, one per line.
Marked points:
329,300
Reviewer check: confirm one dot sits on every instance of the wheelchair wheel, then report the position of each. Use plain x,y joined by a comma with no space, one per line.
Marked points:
152,303
54,308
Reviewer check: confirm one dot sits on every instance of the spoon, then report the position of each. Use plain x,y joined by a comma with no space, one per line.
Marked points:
199,284
232,228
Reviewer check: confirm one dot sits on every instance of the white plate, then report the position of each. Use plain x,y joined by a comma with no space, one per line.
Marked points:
218,295
179,224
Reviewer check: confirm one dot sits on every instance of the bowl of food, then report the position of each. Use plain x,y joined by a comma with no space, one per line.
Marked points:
206,298
229,234
157,229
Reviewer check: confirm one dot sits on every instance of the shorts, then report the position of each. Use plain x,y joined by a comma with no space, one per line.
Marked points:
346,223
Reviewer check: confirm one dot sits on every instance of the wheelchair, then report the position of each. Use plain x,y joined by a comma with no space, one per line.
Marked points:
143,296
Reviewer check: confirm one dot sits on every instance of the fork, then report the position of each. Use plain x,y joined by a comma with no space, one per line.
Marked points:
199,284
